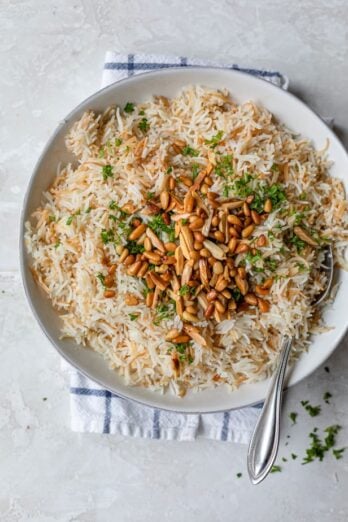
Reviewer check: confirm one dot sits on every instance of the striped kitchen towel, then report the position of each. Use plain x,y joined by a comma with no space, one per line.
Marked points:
94,409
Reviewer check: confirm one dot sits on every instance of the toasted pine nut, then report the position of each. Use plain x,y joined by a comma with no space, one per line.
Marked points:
108,281
261,241
261,291
195,255
164,199
172,334
246,209
136,222
242,284
218,267
215,221
255,217
212,195
143,269
233,232
232,244
170,247
189,317
196,224
232,305
124,254
147,244
204,188
198,236
134,268
112,269
268,206
250,199
208,181
205,252
221,284
246,232
171,183
212,295
197,245
251,299
219,236
263,305
129,260
119,249
227,294
186,181
242,248
137,232
153,257
109,293
209,311
220,307
241,272
149,299
181,339
268,283
234,220
191,309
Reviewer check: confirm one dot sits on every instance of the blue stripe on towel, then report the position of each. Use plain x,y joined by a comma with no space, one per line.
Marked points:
107,415
155,424
225,423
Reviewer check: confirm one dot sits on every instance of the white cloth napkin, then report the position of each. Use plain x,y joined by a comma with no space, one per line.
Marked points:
94,409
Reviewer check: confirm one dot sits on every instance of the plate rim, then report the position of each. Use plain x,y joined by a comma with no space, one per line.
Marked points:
22,254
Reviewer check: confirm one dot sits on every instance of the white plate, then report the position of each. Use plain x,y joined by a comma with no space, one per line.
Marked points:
284,106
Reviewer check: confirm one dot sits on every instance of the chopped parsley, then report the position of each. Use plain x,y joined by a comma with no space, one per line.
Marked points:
51,219
158,225
129,107
195,170
187,290
338,453
298,243
189,151
271,264
133,317
107,236
101,153
69,220
284,459
274,167
327,396
238,475
276,469
169,170
118,142
150,195
144,125
303,196
163,312
312,410
101,278
224,168
252,259
318,448
107,172
327,369
184,221
114,206
237,295
57,244
215,140
293,416
293,456
134,248
142,113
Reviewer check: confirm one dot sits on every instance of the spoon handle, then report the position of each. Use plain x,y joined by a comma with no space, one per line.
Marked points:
264,442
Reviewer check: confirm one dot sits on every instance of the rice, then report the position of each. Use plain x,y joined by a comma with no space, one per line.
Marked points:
123,159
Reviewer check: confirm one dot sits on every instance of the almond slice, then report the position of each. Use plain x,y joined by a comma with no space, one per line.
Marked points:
214,249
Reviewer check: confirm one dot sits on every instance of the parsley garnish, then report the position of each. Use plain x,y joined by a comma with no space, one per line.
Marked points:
129,107
144,125
69,220
118,142
215,140
312,410
101,278
107,172
134,248
150,195
239,475
293,456
297,242
169,170
158,225
253,258
133,317
237,296
107,236
189,151
142,112
274,167
338,453
293,416
276,469
186,290
57,244
326,397
318,448
101,153
224,168
51,218
184,221
163,312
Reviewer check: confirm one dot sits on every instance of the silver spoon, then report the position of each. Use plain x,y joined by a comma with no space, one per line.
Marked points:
264,442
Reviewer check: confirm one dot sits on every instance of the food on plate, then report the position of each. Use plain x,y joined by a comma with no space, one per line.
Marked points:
187,238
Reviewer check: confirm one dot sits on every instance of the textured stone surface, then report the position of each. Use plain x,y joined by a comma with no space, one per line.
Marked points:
51,58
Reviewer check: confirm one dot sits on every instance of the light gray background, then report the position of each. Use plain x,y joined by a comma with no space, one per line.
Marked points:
51,58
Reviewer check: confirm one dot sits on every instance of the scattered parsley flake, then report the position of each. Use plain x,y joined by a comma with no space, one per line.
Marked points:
163,312
169,170
195,170
189,151
293,456
107,172
284,459
142,112
144,125
184,221
293,417
69,220
133,317
327,369
186,290
118,142
129,107
215,140
107,236
327,396
276,469
224,168
51,219
319,448
338,453
239,475
134,248
101,278
312,410
57,244
298,243
158,225
150,195
101,153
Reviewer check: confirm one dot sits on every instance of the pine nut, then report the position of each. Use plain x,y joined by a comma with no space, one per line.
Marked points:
212,195
196,224
137,232
191,309
211,260
129,260
208,181
242,285
149,299
119,249
218,267
242,248
261,291
268,283
261,241
209,311
251,299
112,269
124,254
232,305
232,244
134,268
220,307
250,199
147,244
268,206
215,221
198,236
227,294
255,217
108,281
241,272
172,334
186,181
212,295
153,257
205,252
170,247
263,305
194,255
246,209
219,236
204,188
234,220
248,231
143,269
191,318
221,284
171,183
181,339
233,232
109,293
